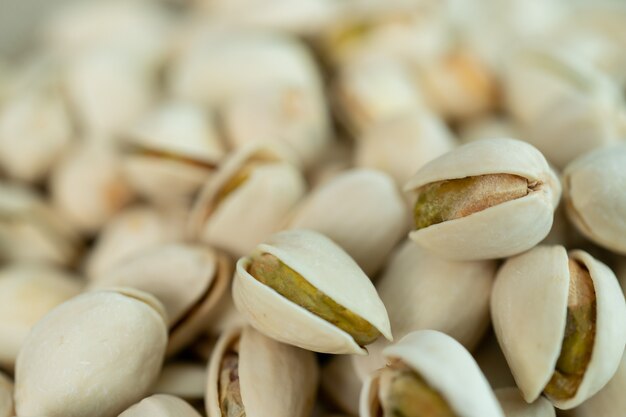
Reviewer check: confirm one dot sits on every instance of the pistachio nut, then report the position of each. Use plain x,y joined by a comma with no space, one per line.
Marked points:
251,374
422,291
161,406
182,379
256,176
560,320
361,210
130,232
88,187
111,341
6,396
403,144
27,293
488,127
31,230
301,288
428,374
188,279
594,198
337,158
486,199
564,105
514,405
341,384
172,151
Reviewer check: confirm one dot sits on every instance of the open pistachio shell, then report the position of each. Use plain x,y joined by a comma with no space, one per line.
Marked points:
161,406
250,374
309,293
110,341
514,405
6,396
542,307
247,200
486,199
361,210
432,369
182,379
594,196
422,291
341,384
27,293
188,279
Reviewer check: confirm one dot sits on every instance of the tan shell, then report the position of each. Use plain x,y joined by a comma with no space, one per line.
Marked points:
88,187
276,380
610,400
130,232
30,230
161,406
529,307
446,367
514,226
421,291
594,196
514,405
292,115
361,210
182,379
255,209
341,384
328,268
188,279
401,145
110,341
182,131
6,396
565,105
27,293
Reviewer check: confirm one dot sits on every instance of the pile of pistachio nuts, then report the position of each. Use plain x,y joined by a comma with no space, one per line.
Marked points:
315,208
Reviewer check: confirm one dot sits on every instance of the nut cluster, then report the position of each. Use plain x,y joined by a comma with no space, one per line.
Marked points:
314,208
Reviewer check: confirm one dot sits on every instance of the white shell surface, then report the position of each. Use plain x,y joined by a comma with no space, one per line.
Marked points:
608,402
161,405
514,405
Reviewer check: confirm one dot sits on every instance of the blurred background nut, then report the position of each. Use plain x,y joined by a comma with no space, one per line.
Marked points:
110,341
514,405
186,380
486,199
6,396
341,385
161,406
301,288
594,196
27,293
560,320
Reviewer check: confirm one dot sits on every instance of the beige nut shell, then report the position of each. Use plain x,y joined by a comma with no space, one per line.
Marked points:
328,268
447,368
529,308
161,405
514,405
276,380
504,229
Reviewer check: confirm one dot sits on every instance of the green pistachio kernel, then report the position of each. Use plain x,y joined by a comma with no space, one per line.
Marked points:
404,393
580,331
229,389
441,201
272,272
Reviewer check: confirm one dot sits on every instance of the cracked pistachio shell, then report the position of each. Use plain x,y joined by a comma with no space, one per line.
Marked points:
173,151
610,400
361,210
514,405
422,291
130,232
111,341
446,367
564,105
341,384
295,116
503,229
329,270
161,406
594,198
274,379
6,396
403,144
30,230
529,307
182,379
88,186
27,293
247,200
214,66
187,279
